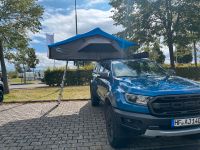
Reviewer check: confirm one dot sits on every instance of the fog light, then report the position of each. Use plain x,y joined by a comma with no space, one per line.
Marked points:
131,123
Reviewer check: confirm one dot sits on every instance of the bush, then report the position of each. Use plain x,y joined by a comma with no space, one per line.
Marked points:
73,77
83,76
12,74
187,71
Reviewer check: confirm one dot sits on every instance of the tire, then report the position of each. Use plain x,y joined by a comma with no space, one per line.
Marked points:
1,96
94,99
116,136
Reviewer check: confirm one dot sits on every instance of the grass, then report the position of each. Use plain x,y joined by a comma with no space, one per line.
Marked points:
19,81
47,93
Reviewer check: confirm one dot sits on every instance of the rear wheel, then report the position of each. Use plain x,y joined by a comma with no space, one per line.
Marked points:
116,136
94,99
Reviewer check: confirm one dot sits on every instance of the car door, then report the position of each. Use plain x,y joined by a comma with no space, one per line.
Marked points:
99,83
103,84
94,82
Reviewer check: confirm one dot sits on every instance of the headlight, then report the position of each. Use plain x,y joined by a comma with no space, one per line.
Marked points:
138,99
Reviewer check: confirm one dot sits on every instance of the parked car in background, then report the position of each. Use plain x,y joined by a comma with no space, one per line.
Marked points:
141,98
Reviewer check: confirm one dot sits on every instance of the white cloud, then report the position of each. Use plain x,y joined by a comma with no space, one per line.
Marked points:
45,62
63,26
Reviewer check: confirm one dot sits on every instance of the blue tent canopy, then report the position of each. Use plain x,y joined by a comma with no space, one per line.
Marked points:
93,45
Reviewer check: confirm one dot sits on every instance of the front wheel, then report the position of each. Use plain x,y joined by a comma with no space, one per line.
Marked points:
116,136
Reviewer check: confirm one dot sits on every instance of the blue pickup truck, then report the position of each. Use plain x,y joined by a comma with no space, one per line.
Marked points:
141,98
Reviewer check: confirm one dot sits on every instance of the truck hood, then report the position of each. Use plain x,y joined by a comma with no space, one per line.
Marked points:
155,86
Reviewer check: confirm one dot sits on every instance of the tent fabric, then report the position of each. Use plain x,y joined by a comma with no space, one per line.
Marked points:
94,45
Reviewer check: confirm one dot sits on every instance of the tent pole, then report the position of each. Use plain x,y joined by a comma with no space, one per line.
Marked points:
60,96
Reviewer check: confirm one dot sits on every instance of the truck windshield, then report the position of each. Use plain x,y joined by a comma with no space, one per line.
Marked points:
134,68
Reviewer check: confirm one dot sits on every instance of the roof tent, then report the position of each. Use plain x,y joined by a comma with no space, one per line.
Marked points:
94,45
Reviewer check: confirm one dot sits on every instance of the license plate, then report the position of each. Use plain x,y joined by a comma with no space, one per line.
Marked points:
185,122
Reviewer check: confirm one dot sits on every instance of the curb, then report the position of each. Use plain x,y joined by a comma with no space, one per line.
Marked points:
44,101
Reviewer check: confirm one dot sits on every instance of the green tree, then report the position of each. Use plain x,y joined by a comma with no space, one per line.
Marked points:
184,54
18,68
156,54
33,60
189,32
194,36
190,39
24,59
145,20
17,17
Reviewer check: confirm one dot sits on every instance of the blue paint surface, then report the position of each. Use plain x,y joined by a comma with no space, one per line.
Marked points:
150,86
172,123
158,86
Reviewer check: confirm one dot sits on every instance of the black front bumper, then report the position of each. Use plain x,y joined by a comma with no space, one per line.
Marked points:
142,123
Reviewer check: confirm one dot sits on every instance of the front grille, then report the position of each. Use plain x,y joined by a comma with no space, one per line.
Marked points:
175,105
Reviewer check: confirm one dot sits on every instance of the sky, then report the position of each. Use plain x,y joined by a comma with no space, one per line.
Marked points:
58,19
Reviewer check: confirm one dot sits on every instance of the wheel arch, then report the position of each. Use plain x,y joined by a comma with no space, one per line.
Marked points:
109,99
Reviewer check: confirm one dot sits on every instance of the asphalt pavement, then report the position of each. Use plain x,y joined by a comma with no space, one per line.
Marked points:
27,86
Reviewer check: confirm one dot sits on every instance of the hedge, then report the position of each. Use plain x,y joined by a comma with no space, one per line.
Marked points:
73,77
83,77
188,72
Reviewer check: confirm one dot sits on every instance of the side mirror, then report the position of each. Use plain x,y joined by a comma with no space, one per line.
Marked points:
171,72
104,75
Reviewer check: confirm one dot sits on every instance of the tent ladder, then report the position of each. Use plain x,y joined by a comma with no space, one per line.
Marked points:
60,96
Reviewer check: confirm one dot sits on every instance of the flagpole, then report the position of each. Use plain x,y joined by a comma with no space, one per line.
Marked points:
76,22
60,96
76,19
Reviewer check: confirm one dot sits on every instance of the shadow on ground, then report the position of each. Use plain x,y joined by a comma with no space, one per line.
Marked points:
79,130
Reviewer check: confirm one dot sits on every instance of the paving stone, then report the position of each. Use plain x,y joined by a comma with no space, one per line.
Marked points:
70,126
